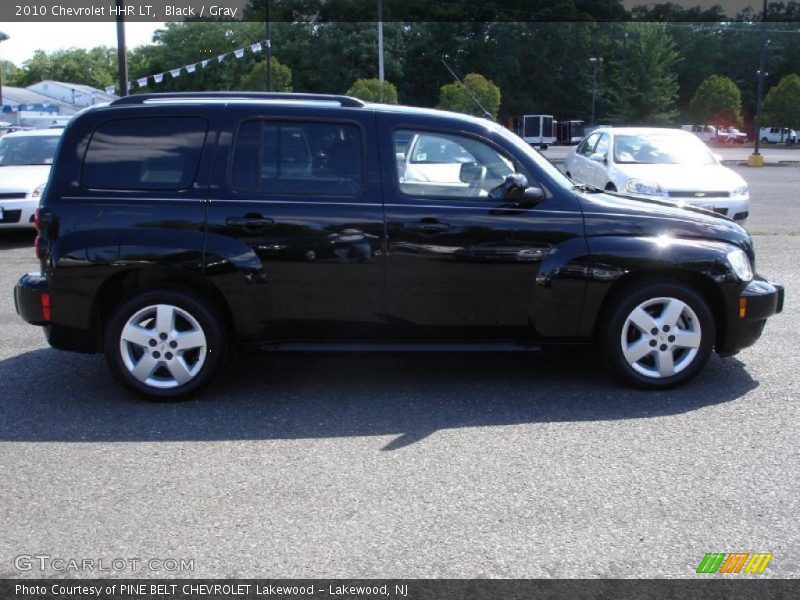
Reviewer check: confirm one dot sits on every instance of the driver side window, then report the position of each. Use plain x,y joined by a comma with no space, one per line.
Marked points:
445,165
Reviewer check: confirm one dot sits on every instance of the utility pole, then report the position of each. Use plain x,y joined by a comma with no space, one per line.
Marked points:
756,160
268,32
122,59
594,61
3,38
380,46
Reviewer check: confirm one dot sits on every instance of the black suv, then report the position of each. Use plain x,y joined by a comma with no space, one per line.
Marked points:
177,225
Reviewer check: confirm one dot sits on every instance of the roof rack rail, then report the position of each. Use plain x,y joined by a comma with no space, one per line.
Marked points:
347,101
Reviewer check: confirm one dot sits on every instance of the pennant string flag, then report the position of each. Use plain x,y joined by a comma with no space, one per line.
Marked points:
175,73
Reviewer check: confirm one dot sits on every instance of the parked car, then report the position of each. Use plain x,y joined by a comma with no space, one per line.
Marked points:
666,164
706,133
778,135
730,135
25,160
176,227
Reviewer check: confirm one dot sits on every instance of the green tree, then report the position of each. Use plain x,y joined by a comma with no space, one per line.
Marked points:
454,97
11,73
782,104
717,101
649,92
96,67
256,79
370,90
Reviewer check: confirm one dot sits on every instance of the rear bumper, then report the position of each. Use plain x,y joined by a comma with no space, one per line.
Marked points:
755,304
29,298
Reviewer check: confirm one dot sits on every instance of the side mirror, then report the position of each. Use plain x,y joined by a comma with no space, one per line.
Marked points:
471,173
598,157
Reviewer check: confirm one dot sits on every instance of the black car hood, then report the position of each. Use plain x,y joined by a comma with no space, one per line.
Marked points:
612,214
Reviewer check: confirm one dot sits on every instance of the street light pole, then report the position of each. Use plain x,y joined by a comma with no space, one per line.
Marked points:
122,59
268,32
761,74
594,61
380,47
3,38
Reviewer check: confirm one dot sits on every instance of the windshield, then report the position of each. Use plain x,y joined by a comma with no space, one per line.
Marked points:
28,150
661,148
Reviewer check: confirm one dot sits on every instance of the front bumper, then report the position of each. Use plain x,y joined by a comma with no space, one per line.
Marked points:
29,298
18,213
755,304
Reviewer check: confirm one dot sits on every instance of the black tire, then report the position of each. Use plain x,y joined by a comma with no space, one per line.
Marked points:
191,314
610,187
688,326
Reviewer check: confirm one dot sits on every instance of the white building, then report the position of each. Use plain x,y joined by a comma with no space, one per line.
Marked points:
73,94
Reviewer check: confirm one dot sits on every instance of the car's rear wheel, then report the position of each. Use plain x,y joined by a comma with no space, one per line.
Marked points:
610,187
658,335
165,344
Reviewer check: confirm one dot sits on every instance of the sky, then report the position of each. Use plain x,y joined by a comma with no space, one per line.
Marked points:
26,38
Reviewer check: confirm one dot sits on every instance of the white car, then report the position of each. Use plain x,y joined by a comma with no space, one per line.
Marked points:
665,164
25,160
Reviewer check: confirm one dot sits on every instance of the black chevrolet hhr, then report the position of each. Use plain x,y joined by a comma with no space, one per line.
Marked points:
175,227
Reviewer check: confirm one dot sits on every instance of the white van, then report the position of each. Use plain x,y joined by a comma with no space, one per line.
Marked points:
778,135
707,133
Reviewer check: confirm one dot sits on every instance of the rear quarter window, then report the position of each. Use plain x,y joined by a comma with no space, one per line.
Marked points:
144,153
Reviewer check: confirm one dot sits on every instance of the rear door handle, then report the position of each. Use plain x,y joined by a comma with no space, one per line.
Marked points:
250,222
429,228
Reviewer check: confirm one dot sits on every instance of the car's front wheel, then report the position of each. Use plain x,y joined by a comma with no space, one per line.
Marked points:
658,335
165,344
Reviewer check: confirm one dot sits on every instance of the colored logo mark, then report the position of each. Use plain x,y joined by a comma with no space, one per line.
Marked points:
735,562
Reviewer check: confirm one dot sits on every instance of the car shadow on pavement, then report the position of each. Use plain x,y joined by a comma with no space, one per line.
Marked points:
12,239
47,395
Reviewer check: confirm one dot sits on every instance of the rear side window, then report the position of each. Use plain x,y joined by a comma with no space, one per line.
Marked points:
146,153
298,158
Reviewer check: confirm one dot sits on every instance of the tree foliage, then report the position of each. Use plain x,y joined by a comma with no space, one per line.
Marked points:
256,79
717,101
645,84
455,97
372,90
782,104
96,67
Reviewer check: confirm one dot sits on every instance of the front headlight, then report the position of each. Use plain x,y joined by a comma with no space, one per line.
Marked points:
38,191
644,188
740,264
740,192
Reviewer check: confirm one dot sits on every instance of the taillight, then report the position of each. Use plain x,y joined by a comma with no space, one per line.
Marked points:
45,306
37,219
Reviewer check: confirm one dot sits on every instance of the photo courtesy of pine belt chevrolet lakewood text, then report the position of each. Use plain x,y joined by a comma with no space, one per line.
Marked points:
176,228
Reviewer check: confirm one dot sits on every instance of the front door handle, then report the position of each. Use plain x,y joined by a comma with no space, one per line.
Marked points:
426,227
250,222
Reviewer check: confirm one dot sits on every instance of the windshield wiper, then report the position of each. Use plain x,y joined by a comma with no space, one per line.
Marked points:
585,187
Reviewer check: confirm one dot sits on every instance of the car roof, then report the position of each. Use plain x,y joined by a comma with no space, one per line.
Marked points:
36,132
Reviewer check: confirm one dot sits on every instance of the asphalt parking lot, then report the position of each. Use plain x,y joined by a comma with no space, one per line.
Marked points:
412,465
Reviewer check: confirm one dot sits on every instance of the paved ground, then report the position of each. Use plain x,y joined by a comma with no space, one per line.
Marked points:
381,466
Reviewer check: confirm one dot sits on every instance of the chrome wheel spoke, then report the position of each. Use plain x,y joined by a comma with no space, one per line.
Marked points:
165,318
685,338
145,367
189,340
672,312
180,370
666,363
637,350
643,320
137,335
